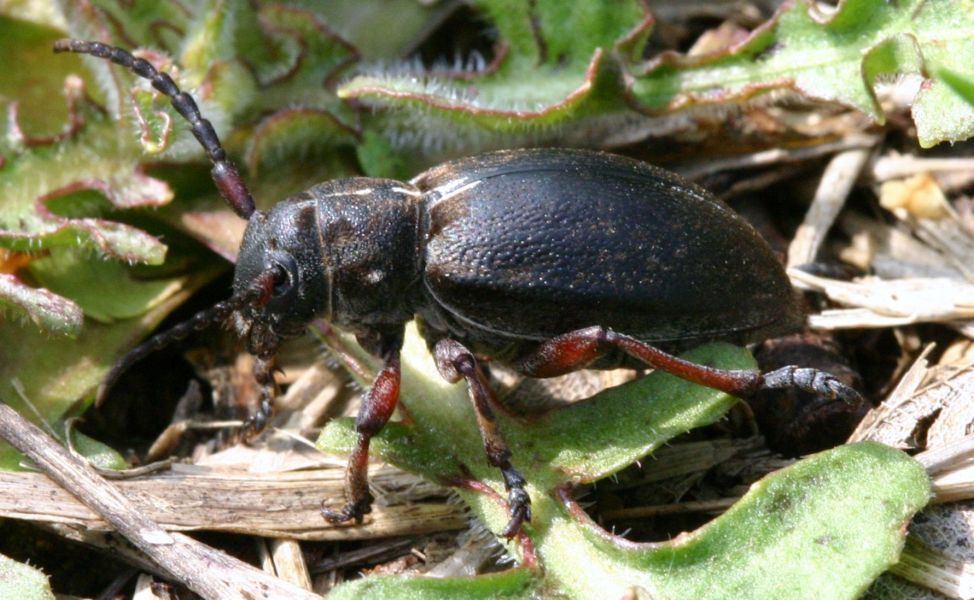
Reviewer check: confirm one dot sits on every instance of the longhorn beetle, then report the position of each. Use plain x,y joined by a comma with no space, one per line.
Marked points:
545,260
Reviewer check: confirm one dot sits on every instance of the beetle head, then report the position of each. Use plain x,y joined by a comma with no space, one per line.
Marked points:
275,290
280,256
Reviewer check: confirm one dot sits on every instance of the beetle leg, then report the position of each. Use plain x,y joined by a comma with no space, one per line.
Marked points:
576,349
455,362
377,407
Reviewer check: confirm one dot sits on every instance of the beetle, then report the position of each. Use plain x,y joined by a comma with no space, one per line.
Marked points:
545,260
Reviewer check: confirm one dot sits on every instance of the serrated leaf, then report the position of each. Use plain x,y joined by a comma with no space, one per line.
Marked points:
307,117
558,68
316,55
151,23
834,57
56,181
39,174
53,185
45,175
295,131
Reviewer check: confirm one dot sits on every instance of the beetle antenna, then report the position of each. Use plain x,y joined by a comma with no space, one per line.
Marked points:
225,176
217,313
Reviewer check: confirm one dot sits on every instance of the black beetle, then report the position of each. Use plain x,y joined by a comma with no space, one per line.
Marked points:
545,260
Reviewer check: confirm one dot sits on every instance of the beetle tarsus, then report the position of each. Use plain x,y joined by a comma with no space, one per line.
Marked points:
359,499
810,380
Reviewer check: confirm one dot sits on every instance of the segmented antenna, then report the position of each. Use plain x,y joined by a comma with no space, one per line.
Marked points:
225,176
217,313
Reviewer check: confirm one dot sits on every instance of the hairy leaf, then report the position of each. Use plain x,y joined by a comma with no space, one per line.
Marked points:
46,309
18,580
560,76
514,583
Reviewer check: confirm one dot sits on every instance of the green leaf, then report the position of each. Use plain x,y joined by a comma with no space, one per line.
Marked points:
358,19
559,68
98,454
306,118
561,78
380,159
514,583
21,581
210,38
572,72
86,282
48,162
90,156
834,57
150,23
583,442
964,86
823,528
295,132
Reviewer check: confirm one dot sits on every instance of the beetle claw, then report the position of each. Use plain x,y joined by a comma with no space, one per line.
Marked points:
351,510
520,505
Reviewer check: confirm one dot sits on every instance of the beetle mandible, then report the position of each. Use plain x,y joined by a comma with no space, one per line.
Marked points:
545,260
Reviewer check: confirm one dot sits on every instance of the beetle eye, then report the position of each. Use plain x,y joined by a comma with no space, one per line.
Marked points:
284,274
282,281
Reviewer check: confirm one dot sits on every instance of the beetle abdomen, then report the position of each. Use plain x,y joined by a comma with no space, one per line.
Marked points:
532,244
